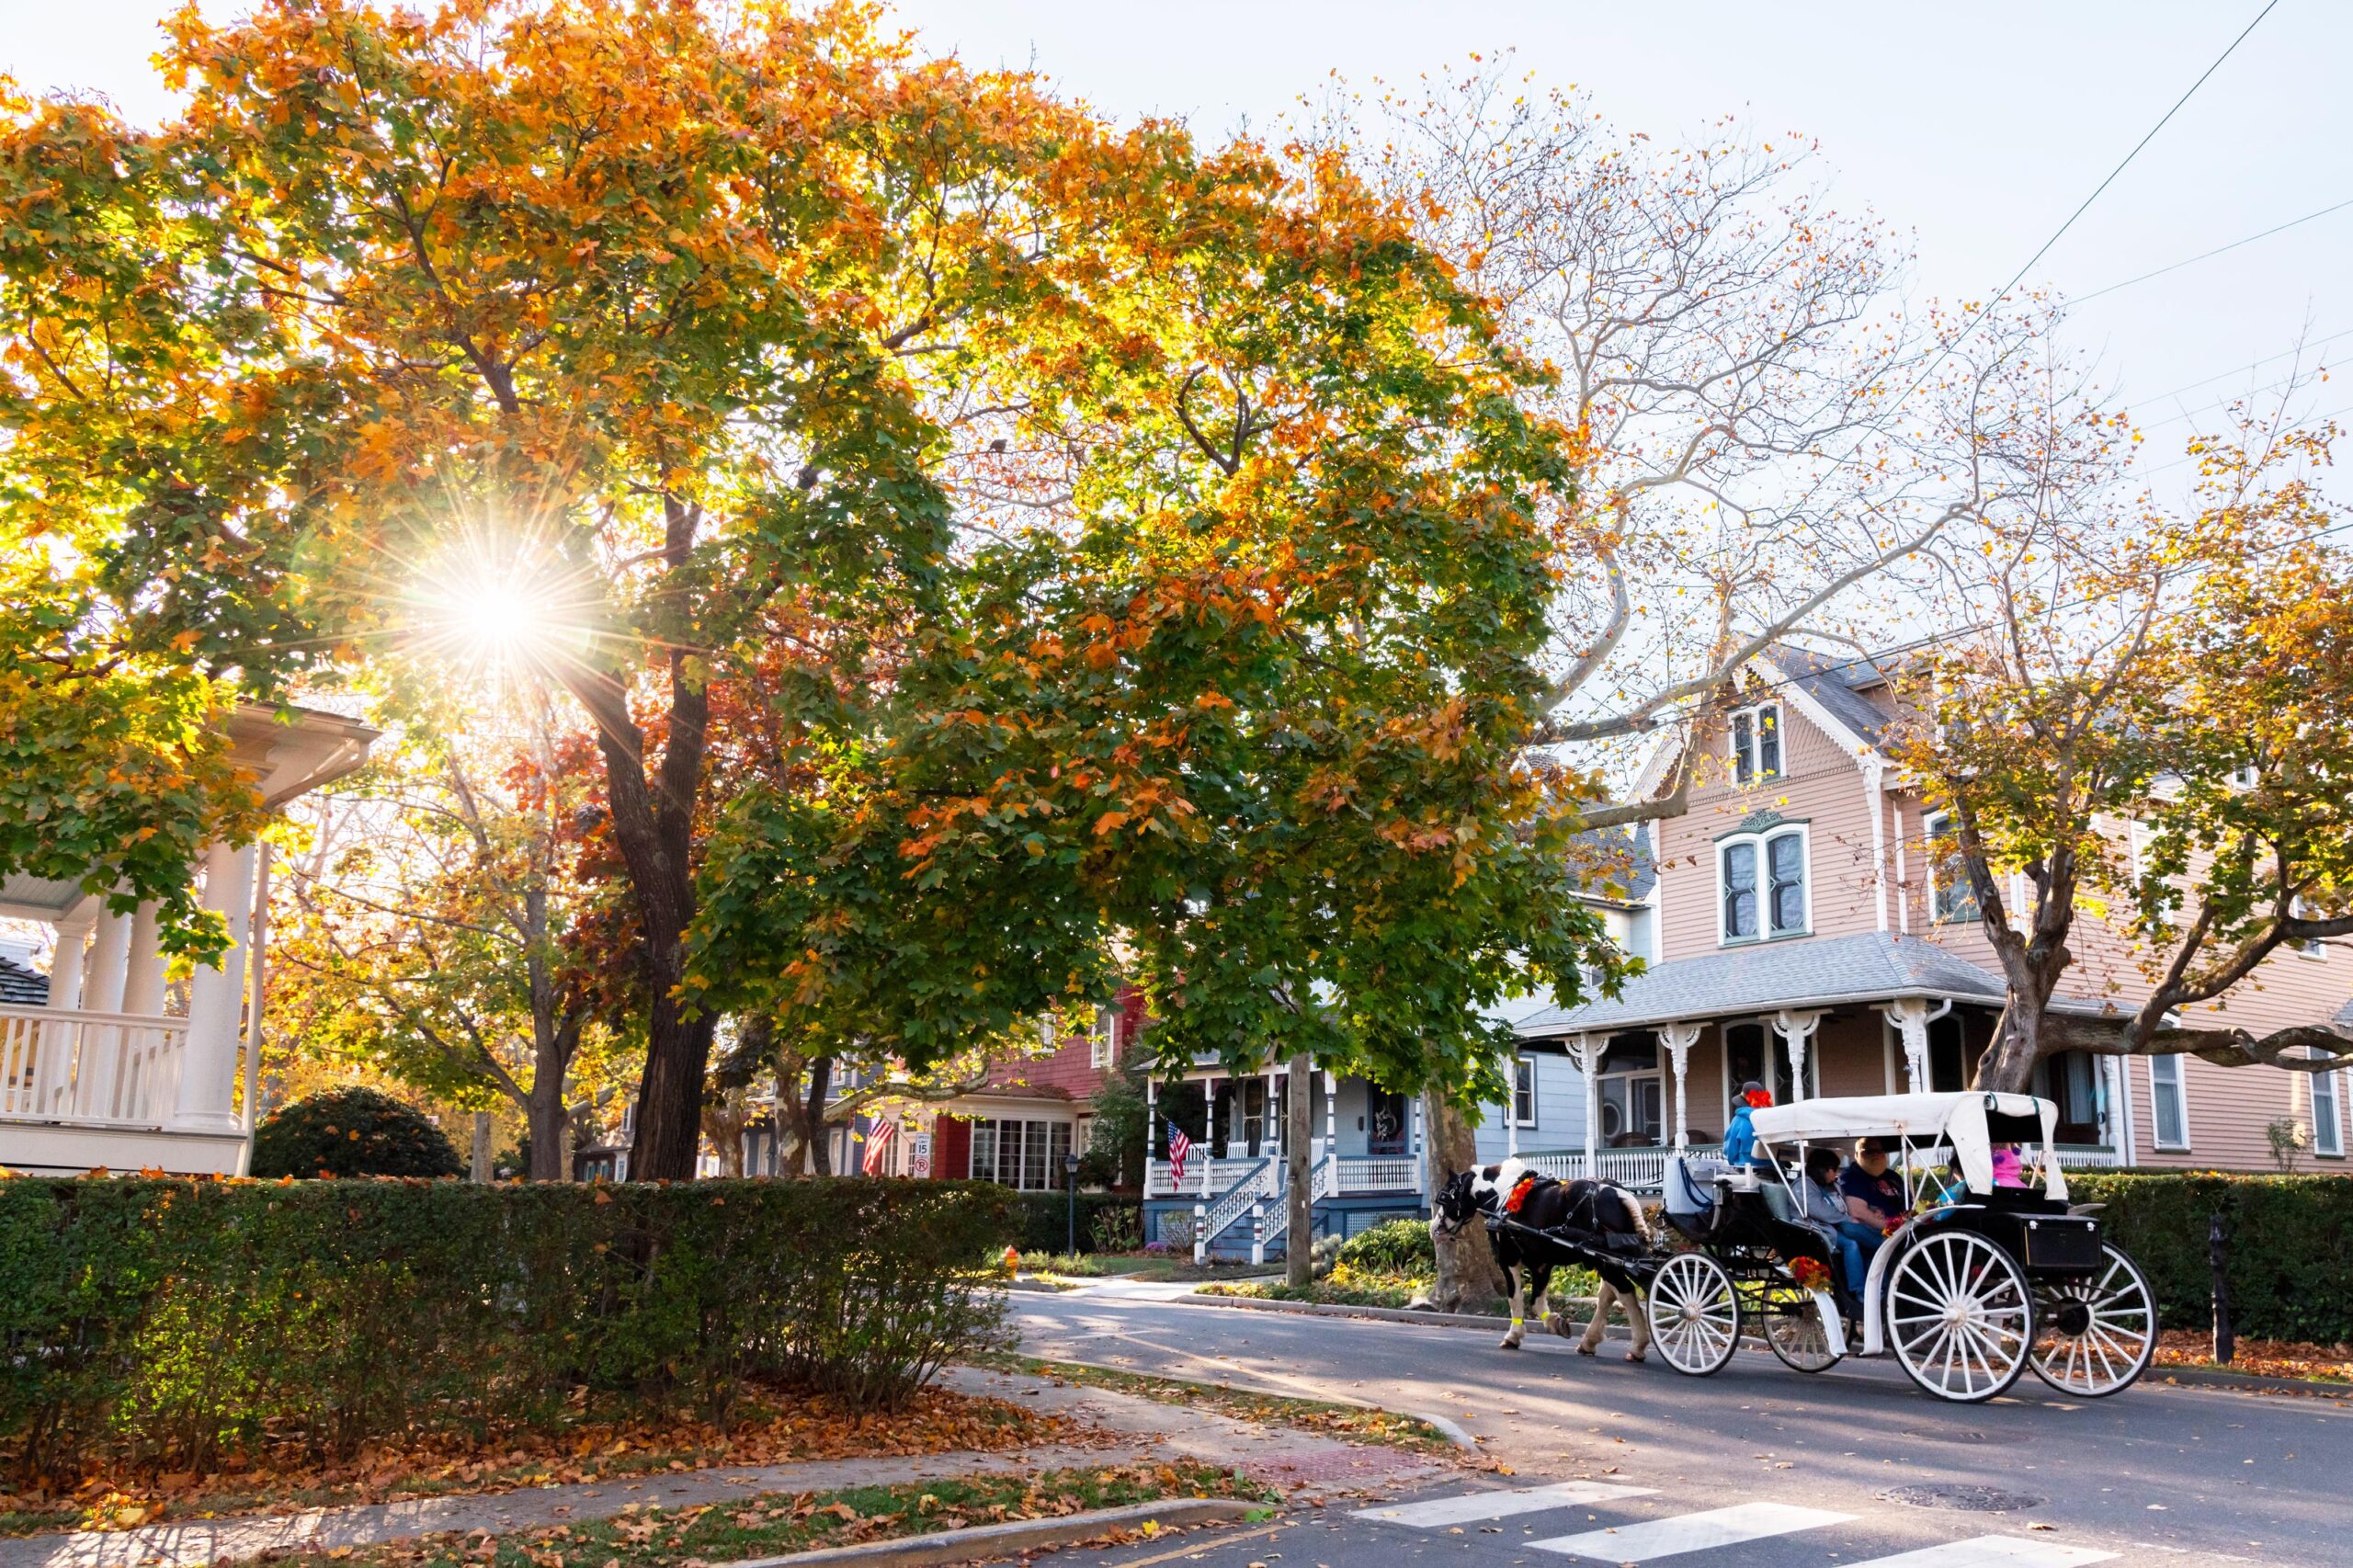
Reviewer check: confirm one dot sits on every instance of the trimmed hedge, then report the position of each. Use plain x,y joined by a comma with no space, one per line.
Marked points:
1045,1218
1394,1246
2291,1246
167,1323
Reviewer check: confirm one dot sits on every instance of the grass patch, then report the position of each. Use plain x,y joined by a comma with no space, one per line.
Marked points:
1167,1268
1351,1423
772,1428
772,1524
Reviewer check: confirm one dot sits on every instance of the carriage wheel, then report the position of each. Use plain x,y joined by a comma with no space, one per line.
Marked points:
1694,1313
1799,1337
2095,1335
1959,1315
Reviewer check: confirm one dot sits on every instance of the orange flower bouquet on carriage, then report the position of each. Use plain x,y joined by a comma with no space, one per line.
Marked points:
1812,1273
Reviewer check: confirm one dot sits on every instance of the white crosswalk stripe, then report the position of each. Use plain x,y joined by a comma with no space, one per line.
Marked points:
1993,1551
1691,1532
1437,1513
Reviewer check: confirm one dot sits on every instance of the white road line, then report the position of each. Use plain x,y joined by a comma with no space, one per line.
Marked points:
1436,1512
1691,1532
1994,1552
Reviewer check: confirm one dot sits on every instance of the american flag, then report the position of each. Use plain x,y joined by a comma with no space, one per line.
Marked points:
878,1146
1178,1147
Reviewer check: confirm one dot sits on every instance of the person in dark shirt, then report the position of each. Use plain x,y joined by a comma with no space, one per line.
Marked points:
1874,1192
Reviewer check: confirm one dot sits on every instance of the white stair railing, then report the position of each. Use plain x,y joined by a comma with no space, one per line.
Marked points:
1319,1187
1216,1219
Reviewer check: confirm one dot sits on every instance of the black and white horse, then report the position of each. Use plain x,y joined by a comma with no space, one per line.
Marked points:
1582,1206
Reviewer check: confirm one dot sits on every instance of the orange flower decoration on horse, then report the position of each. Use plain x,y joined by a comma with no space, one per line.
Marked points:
1519,1192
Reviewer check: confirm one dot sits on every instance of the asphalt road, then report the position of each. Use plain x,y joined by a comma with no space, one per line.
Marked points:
1808,1470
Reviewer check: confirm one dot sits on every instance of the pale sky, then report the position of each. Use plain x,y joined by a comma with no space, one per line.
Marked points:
1976,128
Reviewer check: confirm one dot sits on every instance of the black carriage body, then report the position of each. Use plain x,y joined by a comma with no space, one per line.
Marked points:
2047,1242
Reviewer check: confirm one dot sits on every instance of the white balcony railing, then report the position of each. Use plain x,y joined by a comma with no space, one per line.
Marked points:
1378,1172
103,1069
1354,1176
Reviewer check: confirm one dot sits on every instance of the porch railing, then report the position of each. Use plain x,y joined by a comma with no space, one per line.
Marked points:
1354,1174
1636,1170
1319,1187
104,1069
1254,1187
2088,1156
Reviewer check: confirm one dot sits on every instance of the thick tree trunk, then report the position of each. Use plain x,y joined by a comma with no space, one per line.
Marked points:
821,1152
1299,1236
550,1124
478,1168
1467,1274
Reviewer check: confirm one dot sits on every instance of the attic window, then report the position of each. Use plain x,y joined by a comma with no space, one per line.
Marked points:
1756,743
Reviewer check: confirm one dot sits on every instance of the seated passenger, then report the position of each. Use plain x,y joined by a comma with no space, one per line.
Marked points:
1825,1213
2008,1169
1874,1193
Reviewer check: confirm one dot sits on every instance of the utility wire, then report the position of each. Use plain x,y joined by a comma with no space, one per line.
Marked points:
2218,250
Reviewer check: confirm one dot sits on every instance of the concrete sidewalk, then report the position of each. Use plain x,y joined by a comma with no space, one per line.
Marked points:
1137,1430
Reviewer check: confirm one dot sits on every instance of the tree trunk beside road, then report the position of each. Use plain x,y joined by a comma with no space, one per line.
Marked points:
1299,1237
1466,1264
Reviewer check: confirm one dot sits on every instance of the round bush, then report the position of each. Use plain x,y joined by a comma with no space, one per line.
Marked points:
351,1132
1400,1246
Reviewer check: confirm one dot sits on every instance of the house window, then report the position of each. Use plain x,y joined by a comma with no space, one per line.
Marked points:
2328,1135
1103,1045
1523,1091
2069,1081
1951,899
1752,1051
1756,743
1023,1154
2312,947
1763,879
2244,777
2172,1108
1631,1093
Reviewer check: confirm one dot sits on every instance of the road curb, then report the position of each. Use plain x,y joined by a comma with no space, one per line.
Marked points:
2251,1382
1380,1314
979,1542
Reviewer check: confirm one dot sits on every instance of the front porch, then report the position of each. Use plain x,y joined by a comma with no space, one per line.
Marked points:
119,1070
1365,1159
1659,1066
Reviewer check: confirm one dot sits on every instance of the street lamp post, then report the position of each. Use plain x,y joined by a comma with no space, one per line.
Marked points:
1070,1181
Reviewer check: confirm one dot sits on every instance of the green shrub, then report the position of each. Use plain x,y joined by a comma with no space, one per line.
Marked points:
2291,1246
165,1323
1070,1265
354,1131
1399,1247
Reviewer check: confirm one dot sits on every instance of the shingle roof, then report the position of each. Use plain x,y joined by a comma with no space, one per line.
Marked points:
1832,682
22,987
1622,856
1825,971
2344,1019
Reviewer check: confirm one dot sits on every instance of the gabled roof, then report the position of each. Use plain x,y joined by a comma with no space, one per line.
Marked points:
1626,854
1876,966
22,987
1837,685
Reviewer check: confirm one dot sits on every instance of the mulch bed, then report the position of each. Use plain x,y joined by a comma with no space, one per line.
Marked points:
2259,1358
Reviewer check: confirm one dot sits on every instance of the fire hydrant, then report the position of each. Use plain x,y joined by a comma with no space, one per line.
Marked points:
1012,1262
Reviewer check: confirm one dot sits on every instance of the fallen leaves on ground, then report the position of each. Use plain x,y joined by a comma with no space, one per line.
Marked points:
2259,1358
767,1524
778,1428
1360,1424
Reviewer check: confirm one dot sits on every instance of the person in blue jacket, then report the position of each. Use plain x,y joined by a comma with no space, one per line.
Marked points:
1740,1138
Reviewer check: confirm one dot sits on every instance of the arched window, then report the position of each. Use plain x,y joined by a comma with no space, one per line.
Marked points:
1762,885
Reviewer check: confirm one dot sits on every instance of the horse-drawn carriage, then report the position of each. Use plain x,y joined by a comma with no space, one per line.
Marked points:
1975,1284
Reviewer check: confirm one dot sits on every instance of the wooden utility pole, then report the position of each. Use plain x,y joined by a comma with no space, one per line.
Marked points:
1299,1235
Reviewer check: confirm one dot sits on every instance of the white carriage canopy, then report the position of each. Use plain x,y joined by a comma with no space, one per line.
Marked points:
1970,1120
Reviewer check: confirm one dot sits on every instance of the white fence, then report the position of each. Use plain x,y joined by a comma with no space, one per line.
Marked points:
106,1069
1645,1170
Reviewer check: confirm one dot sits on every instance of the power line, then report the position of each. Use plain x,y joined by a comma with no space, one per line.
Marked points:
2240,369
2218,250
1987,308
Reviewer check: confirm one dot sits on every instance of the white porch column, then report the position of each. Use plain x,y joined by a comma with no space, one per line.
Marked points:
1421,1162
1587,1056
1511,1103
143,977
1151,1129
65,964
1796,1030
1271,1129
1331,1124
216,997
110,962
1911,1016
1681,1038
